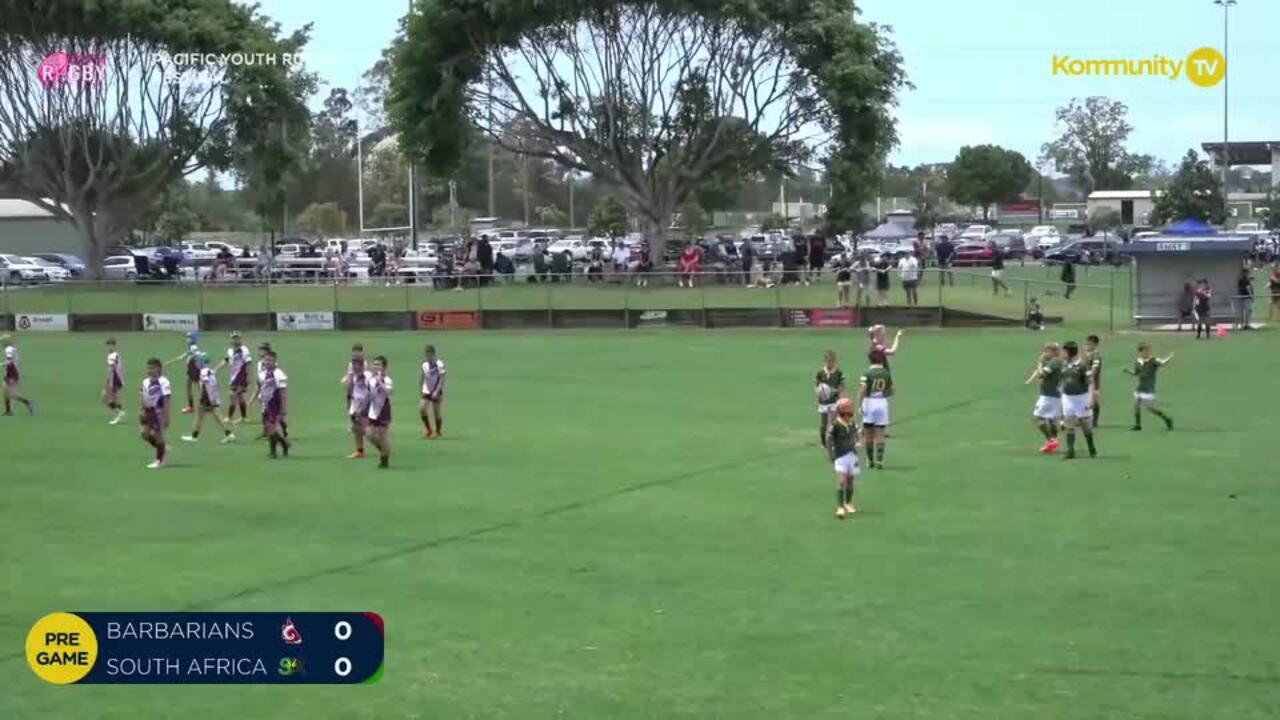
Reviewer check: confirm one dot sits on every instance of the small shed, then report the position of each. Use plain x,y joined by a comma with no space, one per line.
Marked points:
1162,265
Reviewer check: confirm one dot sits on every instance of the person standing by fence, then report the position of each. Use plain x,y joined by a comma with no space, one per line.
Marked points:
909,270
1244,297
1068,277
1203,314
997,274
944,250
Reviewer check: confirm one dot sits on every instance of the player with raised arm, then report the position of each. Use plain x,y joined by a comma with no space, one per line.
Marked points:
432,392
842,445
1048,410
208,404
115,381
1144,368
1077,381
829,386
153,417
263,350
272,389
1093,358
237,361
357,381
192,367
357,353
875,387
380,387
878,333
13,379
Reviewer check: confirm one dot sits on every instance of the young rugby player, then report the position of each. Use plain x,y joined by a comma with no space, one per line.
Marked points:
13,380
208,404
1077,381
878,334
273,385
237,361
432,392
154,410
379,414
842,445
1048,408
193,368
115,381
1144,368
357,353
875,387
1093,358
357,381
829,385
263,350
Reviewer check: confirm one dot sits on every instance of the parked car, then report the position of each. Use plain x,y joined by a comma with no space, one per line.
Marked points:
56,272
576,246
975,233
1252,229
119,267
1093,251
974,253
1010,243
198,251
17,270
1042,237
73,264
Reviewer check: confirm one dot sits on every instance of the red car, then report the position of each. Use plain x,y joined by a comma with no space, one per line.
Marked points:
979,253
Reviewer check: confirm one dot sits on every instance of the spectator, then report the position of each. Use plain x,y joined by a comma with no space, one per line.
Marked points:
644,266
244,252
621,257
862,278
799,261
1203,315
1035,318
817,256
688,265
748,255
997,274
503,266
484,257
1186,304
945,250
1244,298
1274,282
540,265
909,273
561,267
1068,276
921,248
843,269
595,265
881,268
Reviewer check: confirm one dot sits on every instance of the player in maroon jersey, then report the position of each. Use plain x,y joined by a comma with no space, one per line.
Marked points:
115,381
237,361
432,392
878,342
13,380
357,381
379,414
357,353
271,392
193,368
154,415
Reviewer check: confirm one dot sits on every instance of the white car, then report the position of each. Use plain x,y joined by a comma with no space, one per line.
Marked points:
577,247
1251,229
199,251
976,232
119,267
56,272
17,270
1043,237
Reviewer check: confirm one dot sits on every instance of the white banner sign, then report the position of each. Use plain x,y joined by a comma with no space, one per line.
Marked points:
175,322
304,321
47,323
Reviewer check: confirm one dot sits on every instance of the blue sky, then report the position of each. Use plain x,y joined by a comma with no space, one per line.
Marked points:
982,68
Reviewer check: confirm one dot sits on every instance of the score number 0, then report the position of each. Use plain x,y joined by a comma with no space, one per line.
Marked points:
342,631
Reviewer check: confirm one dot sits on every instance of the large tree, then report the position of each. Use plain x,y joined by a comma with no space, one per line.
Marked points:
1090,147
652,97
983,175
112,118
1195,191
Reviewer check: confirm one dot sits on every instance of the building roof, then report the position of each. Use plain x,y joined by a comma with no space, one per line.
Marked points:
1121,195
18,209
1190,245
1256,152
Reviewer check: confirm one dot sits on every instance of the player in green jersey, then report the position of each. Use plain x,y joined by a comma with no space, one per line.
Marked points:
1093,358
875,387
1144,368
1077,381
842,445
829,386
1048,409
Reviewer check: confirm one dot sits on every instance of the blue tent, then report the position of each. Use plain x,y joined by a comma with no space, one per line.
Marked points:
1190,226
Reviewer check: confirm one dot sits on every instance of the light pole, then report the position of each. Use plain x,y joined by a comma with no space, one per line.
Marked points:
1226,81
413,174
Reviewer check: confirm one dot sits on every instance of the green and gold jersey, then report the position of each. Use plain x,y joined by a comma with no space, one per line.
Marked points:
1051,377
842,437
1075,378
1094,361
834,377
1146,372
878,380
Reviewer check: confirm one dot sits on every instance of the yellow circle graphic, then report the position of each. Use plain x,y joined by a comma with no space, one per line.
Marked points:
1206,67
61,648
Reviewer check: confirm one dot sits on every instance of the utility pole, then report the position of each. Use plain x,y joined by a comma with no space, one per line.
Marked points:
1226,81
413,179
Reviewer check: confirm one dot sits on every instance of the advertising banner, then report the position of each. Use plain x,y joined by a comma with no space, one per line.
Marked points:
448,320
840,317
42,323
304,321
170,322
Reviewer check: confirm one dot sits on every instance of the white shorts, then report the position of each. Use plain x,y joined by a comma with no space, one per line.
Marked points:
875,411
1145,398
826,409
1076,406
1048,408
997,274
847,464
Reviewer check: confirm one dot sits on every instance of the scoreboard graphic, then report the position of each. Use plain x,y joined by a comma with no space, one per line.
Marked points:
302,648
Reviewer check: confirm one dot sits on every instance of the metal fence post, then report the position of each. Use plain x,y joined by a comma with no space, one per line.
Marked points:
1111,303
70,301
942,316
335,297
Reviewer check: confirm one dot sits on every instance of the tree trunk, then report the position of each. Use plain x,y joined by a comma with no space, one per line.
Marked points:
94,249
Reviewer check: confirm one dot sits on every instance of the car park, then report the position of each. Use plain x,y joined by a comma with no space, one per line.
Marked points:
56,272
975,233
576,246
1091,251
973,253
17,270
73,264
1042,237
1010,243
119,267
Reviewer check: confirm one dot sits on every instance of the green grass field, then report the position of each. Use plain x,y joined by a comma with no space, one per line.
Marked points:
972,291
638,525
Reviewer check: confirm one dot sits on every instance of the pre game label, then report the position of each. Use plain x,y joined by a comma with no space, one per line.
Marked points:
207,648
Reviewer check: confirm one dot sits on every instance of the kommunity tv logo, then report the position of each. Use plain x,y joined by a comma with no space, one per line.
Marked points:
1205,67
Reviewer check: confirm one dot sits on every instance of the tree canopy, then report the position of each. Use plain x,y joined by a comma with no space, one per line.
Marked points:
655,98
983,175
1195,191
1091,145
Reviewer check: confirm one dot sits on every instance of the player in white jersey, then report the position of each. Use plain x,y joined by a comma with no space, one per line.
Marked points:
154,416
272,388
13,380
263,350
357,381
432,392
379,414
114,382
192,368
209,400
237,363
